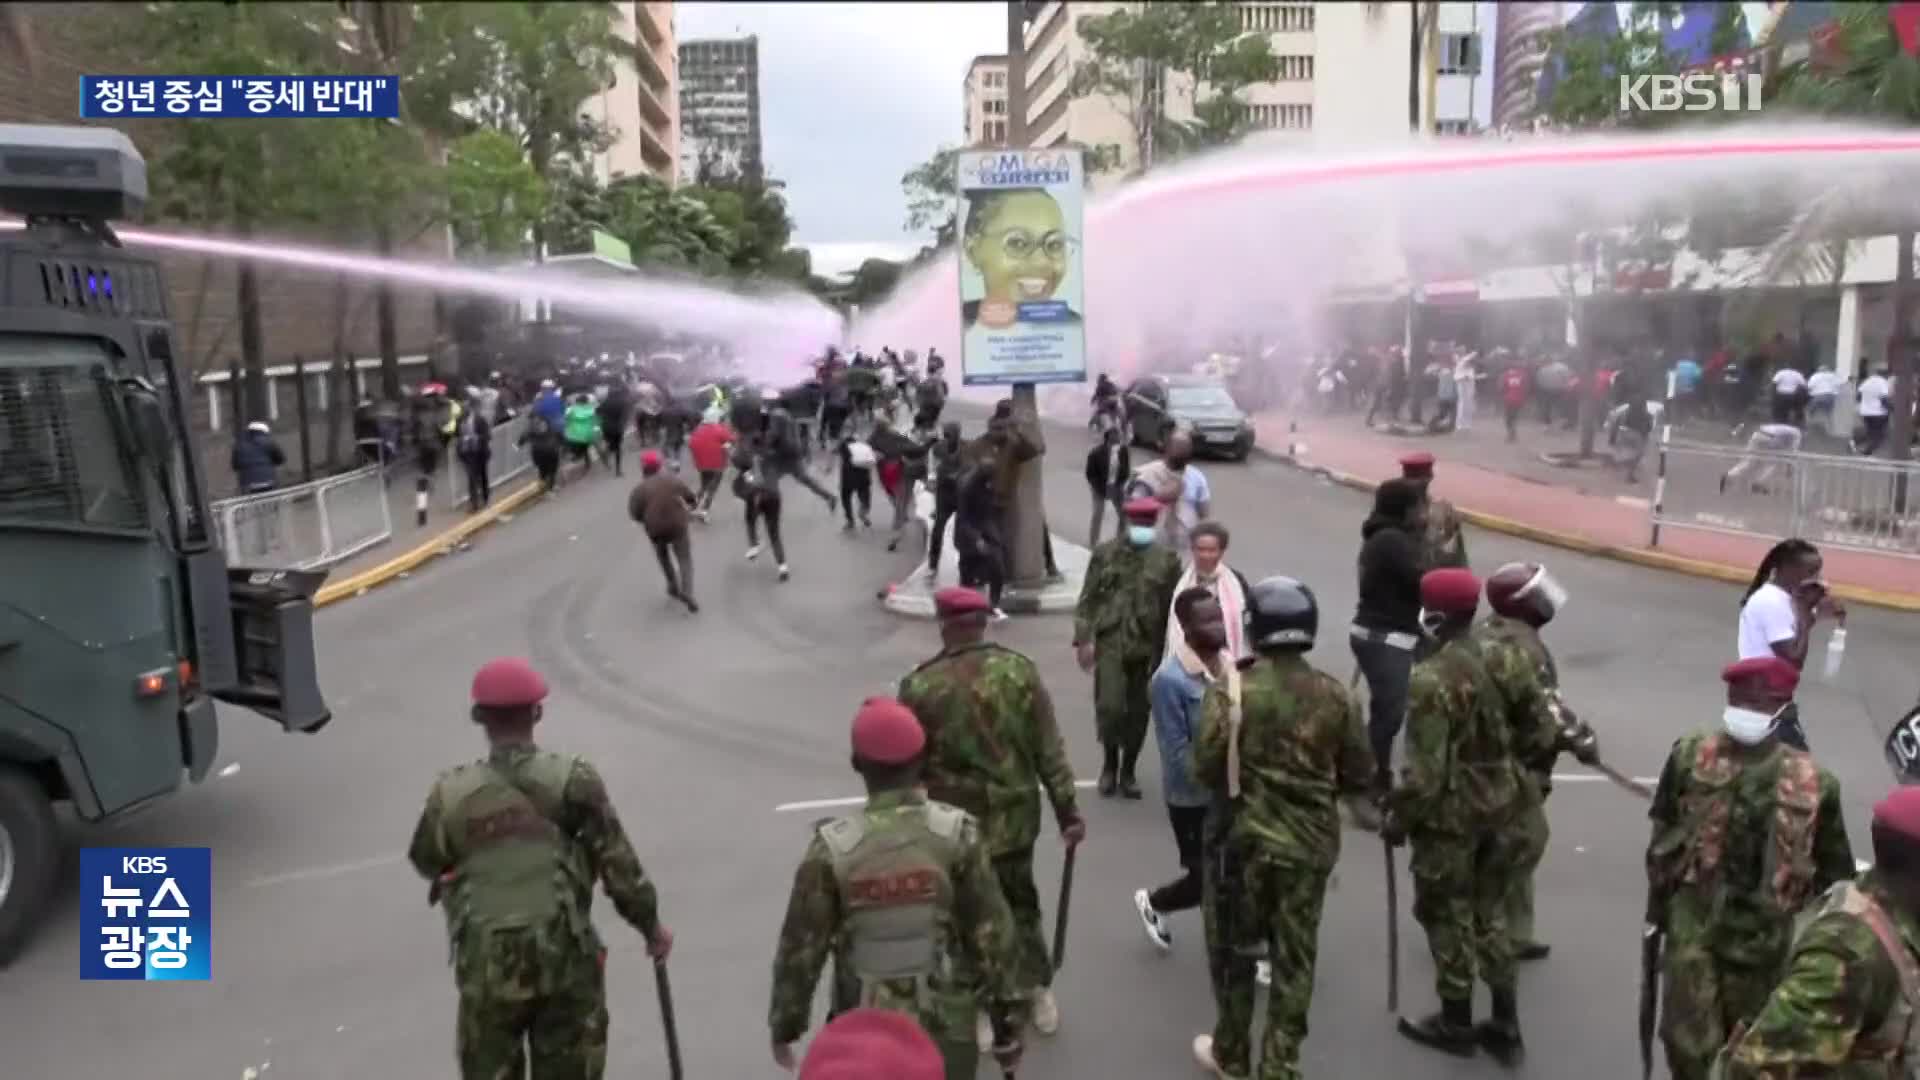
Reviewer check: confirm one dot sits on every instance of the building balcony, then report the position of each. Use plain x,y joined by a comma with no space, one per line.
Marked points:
650,30
651,107
651,73
655,153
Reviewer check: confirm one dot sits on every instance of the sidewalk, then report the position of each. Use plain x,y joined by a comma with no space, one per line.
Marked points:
1509,488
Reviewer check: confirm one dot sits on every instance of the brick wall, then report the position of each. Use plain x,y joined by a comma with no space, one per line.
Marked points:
300,310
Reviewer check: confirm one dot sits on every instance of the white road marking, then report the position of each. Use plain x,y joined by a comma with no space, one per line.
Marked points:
856,800
315,873
1633,501
229,769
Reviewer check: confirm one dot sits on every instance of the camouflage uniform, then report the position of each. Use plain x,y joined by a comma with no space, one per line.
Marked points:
1302,745
1498,632
1444,543
1742,837
992,743
524,835
1123,613
971,934
1473,716
1845,1007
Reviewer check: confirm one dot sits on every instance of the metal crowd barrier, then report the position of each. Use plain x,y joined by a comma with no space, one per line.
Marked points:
510,460
1862,503
309,526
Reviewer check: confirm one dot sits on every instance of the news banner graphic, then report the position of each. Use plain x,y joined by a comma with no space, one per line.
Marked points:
233,97
146,914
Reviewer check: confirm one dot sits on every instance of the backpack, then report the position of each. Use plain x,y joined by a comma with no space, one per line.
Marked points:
897,892
469,440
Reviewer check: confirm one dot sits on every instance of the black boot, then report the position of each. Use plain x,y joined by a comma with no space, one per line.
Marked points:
1450,1029
1129,787
1109,769
1500,1036
1531,950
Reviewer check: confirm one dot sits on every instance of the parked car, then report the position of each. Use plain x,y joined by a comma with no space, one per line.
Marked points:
1159,404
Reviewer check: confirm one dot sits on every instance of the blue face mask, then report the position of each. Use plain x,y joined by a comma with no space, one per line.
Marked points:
1140,535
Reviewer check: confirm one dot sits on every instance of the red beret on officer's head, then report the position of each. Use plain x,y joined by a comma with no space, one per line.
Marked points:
650,461
957,600
1900,811
508,683
1766,672
1417,466
1142,510
873,1044
1450,591
886,732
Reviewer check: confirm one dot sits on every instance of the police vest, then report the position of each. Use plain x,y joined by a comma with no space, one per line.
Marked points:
1695,849
1895,1044
519,868
896,888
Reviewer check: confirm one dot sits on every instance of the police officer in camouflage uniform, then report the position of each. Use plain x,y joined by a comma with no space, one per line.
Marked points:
1280,743
1473,716
1444,543
1524,599
1119,634
513,845
1745,830
1845,1006
992,746
901,895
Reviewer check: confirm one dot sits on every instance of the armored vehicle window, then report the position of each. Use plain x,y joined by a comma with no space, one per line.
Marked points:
61,458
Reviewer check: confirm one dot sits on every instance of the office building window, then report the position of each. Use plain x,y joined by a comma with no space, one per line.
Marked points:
1453,127
1296,68
1281,117
1276,18
1459,54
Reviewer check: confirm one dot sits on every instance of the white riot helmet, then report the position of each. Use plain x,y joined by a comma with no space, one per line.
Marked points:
1525,591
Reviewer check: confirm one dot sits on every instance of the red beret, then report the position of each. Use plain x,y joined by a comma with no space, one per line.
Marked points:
1142,509
1417,464
1770,672
650,459
507,683
960,600
1900,810
886,732
1452,591
873,1044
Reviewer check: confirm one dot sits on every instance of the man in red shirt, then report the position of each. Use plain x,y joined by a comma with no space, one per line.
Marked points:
1513,396
708,447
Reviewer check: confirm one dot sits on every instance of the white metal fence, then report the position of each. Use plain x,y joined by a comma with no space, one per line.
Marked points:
1861,503
309,526
509,460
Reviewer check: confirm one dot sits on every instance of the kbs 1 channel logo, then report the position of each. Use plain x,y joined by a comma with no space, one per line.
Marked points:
1698,92
146,914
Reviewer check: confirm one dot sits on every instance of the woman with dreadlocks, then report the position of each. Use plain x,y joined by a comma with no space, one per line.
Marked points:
1778,613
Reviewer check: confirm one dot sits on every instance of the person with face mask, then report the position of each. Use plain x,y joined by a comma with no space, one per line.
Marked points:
1473,717
1119,634
1745,830
1386,626
1280,745
1844,1005
1524,599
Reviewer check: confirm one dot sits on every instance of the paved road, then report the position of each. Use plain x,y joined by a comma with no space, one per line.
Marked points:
328,963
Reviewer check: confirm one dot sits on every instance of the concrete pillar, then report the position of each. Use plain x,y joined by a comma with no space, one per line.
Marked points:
1847,359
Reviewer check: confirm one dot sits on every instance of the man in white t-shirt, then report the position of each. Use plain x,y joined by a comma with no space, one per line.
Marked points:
1771,440
1874,392
1789,402
1769,616
1823,392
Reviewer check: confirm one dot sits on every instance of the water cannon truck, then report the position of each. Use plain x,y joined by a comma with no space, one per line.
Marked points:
121,622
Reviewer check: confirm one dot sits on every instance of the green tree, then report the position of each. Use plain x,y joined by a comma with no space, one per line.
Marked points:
494,196
1137,50
933,198
1864,75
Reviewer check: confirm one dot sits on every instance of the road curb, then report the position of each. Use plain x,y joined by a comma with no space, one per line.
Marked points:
375,576
1657,560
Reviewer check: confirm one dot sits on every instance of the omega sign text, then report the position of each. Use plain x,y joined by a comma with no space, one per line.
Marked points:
1699,92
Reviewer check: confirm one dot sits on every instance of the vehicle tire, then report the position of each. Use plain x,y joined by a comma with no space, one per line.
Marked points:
29,858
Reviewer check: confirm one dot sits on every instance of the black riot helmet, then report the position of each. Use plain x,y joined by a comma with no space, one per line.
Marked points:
1282,614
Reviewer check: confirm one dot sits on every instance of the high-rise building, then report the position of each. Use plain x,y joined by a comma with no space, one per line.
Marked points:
720,105
986,101
1454,69
641,108
1519,51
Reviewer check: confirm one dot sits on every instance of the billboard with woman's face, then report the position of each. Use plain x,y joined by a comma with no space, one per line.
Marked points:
1021,285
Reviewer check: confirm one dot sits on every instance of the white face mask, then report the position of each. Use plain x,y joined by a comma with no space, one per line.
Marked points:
1748,726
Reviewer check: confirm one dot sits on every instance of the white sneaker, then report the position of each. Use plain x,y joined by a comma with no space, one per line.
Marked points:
1046,1012
999,616
784,572
1263,973
753,552
983,1033
1157,931
1203,1057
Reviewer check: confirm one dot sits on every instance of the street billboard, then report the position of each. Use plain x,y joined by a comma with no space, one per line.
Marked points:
1022,287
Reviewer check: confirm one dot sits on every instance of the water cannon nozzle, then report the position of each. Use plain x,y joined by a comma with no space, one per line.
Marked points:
88,173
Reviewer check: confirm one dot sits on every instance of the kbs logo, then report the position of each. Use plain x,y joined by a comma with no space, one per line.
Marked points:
1698,92
146,914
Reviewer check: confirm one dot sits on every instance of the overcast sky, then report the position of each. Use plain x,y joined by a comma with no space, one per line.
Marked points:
852,96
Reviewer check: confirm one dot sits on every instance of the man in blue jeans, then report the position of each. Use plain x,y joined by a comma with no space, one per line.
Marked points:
1176,689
